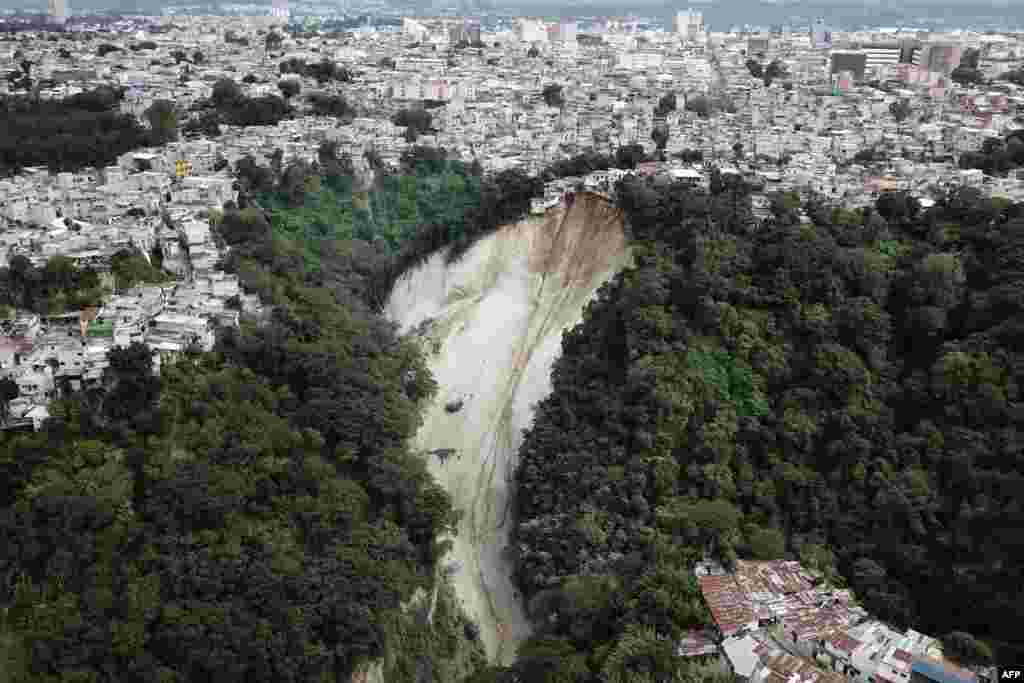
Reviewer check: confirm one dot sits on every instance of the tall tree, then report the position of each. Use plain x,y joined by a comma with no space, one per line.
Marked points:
289,87
660,136
226,92
163,121
8,392
552,95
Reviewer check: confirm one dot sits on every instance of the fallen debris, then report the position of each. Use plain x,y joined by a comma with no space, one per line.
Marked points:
443,454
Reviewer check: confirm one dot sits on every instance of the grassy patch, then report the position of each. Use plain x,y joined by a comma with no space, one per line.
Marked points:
733,380
442,643
438,194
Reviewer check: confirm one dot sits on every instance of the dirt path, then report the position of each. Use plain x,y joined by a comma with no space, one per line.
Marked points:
498,317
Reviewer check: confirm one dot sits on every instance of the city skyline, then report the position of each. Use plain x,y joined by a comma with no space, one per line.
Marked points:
720,15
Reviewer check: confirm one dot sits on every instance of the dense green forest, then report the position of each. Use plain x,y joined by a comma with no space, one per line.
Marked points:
86,129
844,391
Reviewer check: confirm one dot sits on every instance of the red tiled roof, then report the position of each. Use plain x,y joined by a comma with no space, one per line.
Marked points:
15,344
812,623
845,643
882,675
696,643
776,576
727,604
902,655
784,668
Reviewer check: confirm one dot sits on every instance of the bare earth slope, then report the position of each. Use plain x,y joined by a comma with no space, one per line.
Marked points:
493,323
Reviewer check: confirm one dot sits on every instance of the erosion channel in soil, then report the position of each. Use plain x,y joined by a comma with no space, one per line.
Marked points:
492,324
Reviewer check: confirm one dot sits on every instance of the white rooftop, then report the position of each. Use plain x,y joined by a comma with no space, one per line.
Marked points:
740,652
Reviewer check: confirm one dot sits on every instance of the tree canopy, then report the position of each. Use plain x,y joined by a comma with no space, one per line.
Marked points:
416,120
289,87
698,104
85,129
666,104
552,95
840,392
250,514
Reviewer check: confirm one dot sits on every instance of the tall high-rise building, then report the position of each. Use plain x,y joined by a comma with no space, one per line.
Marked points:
279,10
821,35
852,61
690,25
940,57
757,44
413,29
58,11
531,31
457,33
881,54
472,30
567,31
908,48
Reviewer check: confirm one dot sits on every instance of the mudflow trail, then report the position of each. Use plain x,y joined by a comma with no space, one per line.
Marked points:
492,324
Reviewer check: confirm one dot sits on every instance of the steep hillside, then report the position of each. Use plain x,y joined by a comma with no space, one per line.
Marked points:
846,392
492,323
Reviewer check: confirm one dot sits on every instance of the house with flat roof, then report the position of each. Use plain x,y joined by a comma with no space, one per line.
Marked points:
743,655
785,668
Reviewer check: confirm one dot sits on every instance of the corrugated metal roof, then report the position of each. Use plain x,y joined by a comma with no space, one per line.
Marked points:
785,668
845,643
729,607
696,643
773,577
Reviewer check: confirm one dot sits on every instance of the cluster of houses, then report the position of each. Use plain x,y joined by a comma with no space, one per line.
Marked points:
491,106
487,104
776,622
47,355
89,217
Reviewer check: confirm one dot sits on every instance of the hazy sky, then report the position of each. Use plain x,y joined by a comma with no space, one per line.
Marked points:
719,14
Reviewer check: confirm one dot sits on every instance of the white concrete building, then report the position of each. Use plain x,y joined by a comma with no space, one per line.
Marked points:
690,26
531,31
58,12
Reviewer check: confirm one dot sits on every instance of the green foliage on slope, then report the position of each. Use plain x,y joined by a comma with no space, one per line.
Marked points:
391,214
252,514
57,286
734,383
845,393
68,134
431,204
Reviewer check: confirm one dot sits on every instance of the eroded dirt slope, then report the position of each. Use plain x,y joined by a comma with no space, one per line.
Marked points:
493,324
